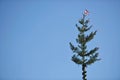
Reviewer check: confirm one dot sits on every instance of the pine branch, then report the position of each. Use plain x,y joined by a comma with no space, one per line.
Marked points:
81,39
72,47
87,21
88,28
91,36
91,52
84,28
92,59
81,21
77,60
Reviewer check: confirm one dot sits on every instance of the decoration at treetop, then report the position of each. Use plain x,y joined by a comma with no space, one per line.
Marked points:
82,56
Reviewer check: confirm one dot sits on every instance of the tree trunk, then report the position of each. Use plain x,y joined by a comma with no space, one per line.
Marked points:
84,72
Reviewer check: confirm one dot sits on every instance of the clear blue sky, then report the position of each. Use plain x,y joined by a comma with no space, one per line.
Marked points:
35,36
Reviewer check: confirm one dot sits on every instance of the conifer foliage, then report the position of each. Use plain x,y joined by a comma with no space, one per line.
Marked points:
82,56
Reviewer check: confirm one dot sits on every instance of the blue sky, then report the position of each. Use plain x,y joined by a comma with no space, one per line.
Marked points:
35,36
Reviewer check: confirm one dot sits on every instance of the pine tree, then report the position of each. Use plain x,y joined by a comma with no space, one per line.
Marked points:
82,56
